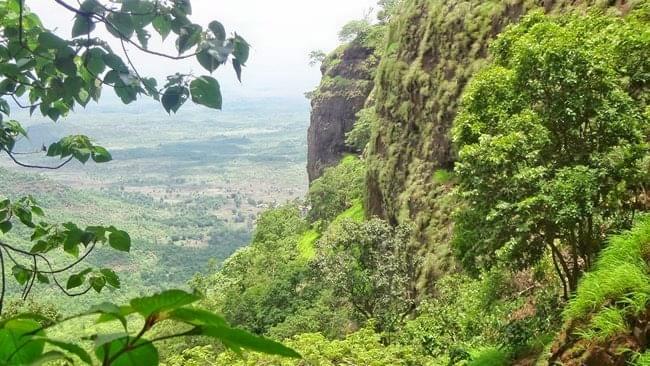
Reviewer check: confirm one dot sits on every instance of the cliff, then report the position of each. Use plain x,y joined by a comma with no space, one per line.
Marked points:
347,80
433,49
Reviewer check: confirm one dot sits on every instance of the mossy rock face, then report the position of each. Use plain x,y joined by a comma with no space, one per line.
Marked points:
347,80
433,48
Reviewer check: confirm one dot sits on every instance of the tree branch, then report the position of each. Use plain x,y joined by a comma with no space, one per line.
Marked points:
2,287
36,166
103,19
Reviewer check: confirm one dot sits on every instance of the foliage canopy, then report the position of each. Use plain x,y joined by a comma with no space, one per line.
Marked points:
552,142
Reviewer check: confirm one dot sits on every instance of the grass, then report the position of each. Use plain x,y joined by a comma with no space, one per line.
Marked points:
620,277
355,213
643,360
490,357
307,244
442,176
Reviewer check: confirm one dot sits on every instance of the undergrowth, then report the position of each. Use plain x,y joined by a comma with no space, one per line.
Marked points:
618,287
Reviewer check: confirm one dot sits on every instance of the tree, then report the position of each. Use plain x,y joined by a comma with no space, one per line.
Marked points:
355,29
387,9
43,72
316,57
373,266
552,142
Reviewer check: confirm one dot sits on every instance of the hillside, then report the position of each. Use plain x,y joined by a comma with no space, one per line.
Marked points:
186,200
471,250
475,194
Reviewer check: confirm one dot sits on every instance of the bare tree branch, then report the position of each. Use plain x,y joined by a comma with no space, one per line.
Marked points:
36,166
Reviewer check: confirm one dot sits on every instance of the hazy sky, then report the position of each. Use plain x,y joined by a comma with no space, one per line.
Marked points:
281,33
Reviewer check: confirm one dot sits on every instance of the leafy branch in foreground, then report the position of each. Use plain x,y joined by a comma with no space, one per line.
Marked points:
30,266
26,338
40,71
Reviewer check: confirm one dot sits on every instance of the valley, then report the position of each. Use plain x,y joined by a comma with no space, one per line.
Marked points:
188,188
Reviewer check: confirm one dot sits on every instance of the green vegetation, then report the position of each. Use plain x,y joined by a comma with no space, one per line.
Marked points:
530,246
338,189
552,143
359,135
490,357
544,175
617,289
40,70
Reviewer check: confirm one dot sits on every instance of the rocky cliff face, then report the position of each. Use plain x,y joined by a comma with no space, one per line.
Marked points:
434,47
347,80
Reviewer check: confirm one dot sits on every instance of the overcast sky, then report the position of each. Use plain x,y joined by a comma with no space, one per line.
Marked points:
281,33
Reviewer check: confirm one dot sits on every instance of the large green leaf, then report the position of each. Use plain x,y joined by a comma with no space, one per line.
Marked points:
140,354
64,61
188,37
120,240
162,25
208,60
111,278
82,25
218,30
241,50
206,91
164,301
237,66
77,279
114,62
101,155
21,274
5,226
173,98
243,339
121,25
50,41
197,317
17,349
94,61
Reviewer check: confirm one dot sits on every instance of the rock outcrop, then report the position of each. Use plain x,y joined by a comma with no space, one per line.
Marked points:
347,81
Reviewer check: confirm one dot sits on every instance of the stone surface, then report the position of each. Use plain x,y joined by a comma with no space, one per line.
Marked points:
346,84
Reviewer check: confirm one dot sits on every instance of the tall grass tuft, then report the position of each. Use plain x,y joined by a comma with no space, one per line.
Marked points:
618,286
490,357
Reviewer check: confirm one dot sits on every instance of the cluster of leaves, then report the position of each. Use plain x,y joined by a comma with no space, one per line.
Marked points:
363,347
552,143
359,136
42,71
373,267
354,29
53,75
24,339
262,285
33,264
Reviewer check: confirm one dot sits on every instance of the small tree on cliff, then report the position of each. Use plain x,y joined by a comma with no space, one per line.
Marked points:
552,143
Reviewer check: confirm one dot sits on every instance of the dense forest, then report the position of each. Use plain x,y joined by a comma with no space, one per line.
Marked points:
478,195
